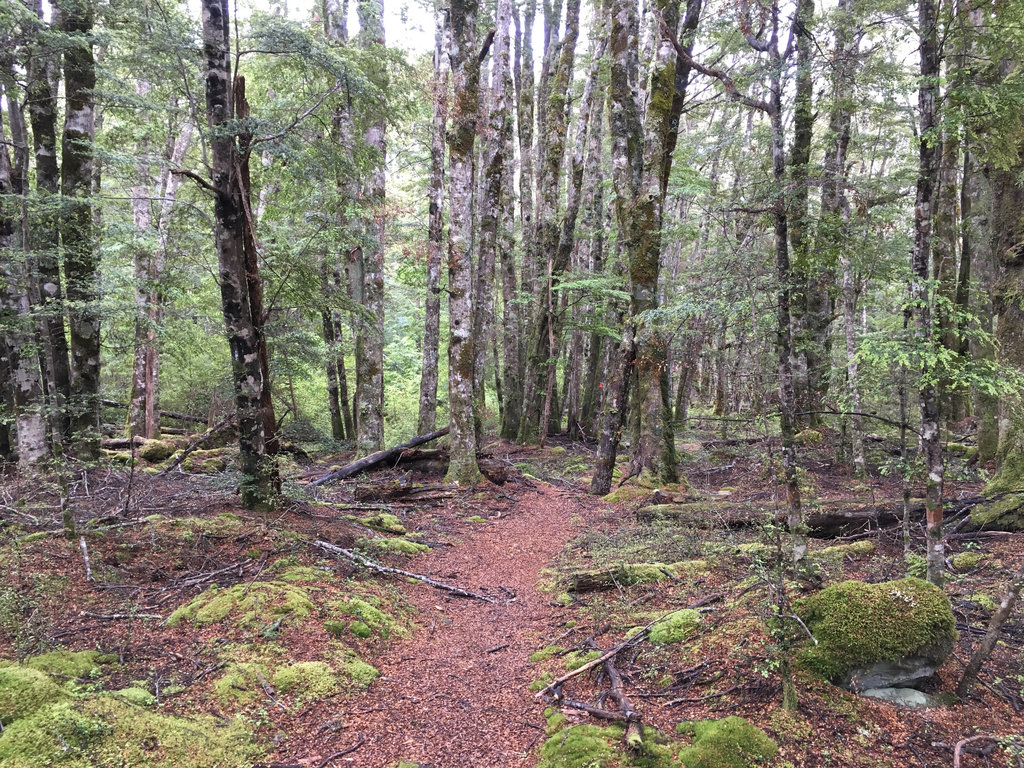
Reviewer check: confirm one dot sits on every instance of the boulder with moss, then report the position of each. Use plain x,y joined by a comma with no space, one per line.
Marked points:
385,523
892,634
155,451
246,605
731,742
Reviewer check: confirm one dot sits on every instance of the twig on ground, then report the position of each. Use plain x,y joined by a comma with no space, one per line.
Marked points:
375,566
118,616
361,740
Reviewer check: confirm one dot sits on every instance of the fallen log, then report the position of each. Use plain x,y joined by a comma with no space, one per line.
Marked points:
403,492
367,462
372,565
167,414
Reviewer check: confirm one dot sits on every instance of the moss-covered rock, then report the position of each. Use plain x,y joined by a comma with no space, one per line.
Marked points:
155,451
591,746
860,548
205,462
104,731
23,691
246,605
675,627
628,574
308,680
1000,514
899,630
385,523
731,742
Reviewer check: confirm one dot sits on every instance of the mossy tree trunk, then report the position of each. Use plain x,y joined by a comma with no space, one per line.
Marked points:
465,65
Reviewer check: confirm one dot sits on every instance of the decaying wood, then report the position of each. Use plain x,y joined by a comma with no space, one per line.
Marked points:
597,579
166,414
404,492
199,441
355,557
368,462
634,732
112,443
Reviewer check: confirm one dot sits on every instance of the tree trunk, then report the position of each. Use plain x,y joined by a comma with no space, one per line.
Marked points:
81,258
260,484
931,445
465,66
20,369
143,407
435,231
496,165
370,341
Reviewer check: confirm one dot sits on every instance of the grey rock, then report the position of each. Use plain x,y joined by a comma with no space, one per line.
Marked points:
905,697
908,672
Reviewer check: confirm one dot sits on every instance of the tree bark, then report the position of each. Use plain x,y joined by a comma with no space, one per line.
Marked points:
931,445
465,66
260,482
435,230
81,258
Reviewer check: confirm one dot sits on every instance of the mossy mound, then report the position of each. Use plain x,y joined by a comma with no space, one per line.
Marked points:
205,462
858,625
731,742
577,659
1002,514
675,627
155,451
628,574
140,697
591,746
546,653
70,663
860,548
24,691
808,438
245,605
357,671
385,523
967,561
104,732
240,682
370,616
224,525
308,680
400,546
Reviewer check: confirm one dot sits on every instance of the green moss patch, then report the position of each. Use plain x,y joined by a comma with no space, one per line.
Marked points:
808,438
675,627
24,691
104,731
591,746
967,561
240,683
984,601
245,605
546,653
155,451
385,523
357,671
140,697
70,663
731,742
369,615
859,624
400,546
577,659
308,680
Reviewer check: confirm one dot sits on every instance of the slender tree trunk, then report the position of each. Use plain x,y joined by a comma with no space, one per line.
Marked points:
465,64
924,335
525,89
496,165
81,258
435,231
48,295
259,486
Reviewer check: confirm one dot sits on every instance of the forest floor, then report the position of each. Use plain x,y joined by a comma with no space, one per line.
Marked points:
210,636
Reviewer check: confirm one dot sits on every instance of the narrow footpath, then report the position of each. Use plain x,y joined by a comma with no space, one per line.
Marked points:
455,695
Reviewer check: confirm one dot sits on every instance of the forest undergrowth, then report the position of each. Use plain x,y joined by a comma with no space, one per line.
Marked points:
177,629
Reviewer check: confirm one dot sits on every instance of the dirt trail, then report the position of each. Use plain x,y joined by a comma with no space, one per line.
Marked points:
443,699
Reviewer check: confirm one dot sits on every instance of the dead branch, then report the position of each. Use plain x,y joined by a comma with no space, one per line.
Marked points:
168,414
85,555
355,557
365,463
958,750
634,732
336,755
201,440
118,616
